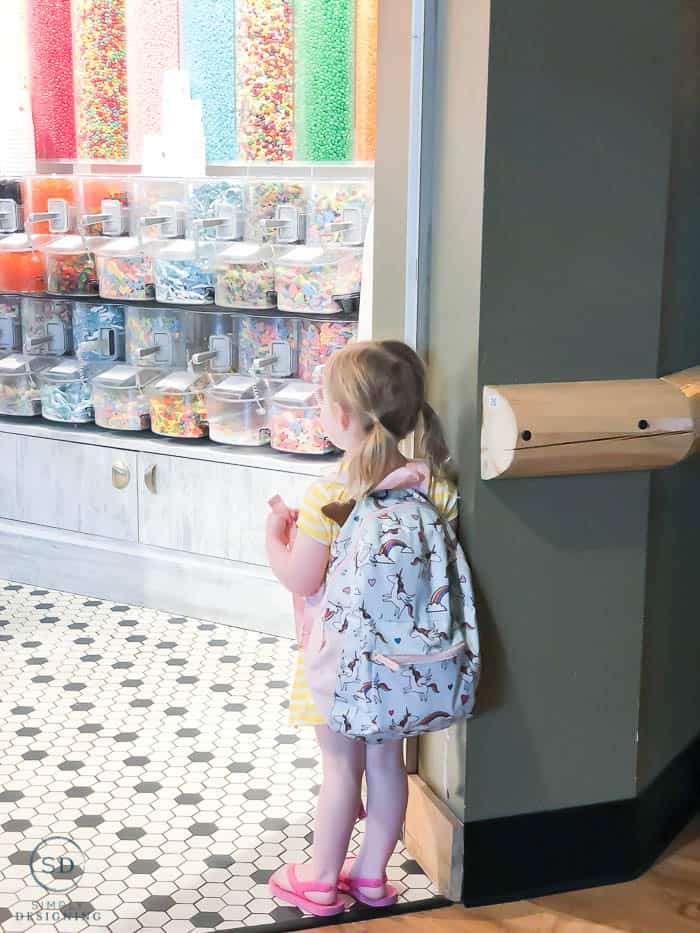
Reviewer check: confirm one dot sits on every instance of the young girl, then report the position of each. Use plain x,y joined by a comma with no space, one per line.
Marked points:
373,396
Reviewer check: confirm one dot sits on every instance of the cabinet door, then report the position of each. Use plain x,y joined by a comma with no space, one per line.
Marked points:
70,486
217,509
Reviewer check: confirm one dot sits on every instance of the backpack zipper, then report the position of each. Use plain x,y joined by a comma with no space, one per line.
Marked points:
395,661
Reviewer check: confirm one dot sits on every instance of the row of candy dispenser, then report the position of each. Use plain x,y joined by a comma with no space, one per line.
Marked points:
177,377
241,244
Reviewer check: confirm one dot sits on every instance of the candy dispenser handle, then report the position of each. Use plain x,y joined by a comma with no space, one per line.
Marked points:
142,352
199,358
202,224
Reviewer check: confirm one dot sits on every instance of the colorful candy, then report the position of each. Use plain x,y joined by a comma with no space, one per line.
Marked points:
121,410
265,197
100,71
324,39
298,430
184,281
318,340
365,79
265,79
71,273
51,78
98,331
145,328
19,389
260,337
327,203
125,271
208,55
179,415
306,279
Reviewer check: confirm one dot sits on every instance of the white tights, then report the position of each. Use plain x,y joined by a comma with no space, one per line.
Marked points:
344,761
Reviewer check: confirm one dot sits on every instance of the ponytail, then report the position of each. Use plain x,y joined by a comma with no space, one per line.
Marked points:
371,462
433,444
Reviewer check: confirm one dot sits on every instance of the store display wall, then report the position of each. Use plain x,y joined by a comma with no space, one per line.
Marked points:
278,80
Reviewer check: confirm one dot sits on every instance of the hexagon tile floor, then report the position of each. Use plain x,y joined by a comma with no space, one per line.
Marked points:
158,748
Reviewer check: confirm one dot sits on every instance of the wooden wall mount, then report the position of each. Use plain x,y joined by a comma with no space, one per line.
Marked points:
557,428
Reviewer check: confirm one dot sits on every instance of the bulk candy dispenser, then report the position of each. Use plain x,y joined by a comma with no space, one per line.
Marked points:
178,405
184,272
245,277
214,333
98,331
237,411
276,212
119,397
162,337
47,326
338,211
295,420
125,270
317,341
10,325
19,385
214,199
105,205
11,206
21,264
268,343
70,265
52,204
66,390
160,208
310,278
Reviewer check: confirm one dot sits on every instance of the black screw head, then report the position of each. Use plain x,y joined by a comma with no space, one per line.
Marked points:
526,435
643,424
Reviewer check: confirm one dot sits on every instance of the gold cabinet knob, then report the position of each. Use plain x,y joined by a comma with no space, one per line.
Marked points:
120,475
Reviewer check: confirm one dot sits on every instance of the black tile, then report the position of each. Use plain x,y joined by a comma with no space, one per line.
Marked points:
79,791
201,756
219,861
89,819
131,832
161,903
10,796
203,829
16,826
35,755
206,920
257,794
148,787
189,799
143,866
71,765
136,761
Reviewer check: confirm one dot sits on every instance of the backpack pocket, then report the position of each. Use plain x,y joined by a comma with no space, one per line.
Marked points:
394,697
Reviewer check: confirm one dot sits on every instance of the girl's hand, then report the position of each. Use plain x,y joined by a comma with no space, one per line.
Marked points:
279,527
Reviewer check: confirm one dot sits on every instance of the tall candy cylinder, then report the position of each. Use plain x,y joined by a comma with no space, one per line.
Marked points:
100,78
208,36
265,79
324,51
366,14
51,77
153,46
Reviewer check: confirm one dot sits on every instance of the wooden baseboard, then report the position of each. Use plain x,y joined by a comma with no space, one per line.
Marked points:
434,836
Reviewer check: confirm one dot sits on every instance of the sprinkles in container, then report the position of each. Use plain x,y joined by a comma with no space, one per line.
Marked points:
295,420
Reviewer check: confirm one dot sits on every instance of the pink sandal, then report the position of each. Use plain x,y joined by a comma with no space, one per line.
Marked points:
296,895
349,885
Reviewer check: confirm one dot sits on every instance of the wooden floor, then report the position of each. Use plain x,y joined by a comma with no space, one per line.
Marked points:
664,900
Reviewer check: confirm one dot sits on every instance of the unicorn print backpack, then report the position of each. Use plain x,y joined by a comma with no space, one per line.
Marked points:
393,650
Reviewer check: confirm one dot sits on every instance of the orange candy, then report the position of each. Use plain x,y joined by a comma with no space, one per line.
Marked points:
21,271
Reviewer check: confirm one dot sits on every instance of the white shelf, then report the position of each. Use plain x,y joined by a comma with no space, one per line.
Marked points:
263,458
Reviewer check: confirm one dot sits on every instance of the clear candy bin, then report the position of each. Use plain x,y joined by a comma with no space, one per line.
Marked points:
119,397
19,386
237,410
295,419
245,277
66,390
309,278
70,265
177,403
184,272
125,270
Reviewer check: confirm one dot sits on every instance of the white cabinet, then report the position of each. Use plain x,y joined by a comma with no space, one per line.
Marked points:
69,486
213,509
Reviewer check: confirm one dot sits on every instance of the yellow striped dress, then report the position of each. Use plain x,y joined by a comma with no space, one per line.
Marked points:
318,526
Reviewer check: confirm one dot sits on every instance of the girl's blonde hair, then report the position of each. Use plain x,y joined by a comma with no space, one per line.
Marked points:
382,383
